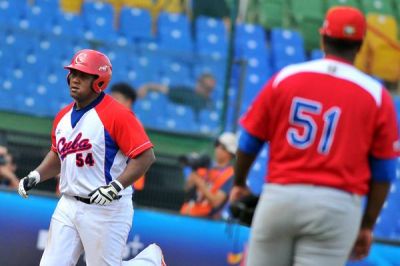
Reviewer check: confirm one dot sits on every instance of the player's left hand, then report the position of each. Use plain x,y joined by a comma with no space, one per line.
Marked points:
104,195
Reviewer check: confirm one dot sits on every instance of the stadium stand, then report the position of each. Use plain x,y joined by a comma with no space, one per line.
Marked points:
285,32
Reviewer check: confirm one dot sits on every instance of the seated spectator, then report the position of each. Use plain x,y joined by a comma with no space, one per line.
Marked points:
125,94
7,169
207,188
218,9
198,98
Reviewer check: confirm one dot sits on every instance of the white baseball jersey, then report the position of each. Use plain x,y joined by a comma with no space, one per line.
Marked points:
95,143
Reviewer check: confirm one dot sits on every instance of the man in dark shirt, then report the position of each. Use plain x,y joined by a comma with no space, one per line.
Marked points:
198,98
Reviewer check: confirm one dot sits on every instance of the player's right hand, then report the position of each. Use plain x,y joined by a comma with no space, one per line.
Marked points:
238,192
28,182
362,245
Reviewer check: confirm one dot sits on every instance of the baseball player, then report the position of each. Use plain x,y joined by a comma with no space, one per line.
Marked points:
333,138
99,148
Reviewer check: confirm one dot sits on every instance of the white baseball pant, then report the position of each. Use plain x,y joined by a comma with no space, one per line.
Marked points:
303,225
100,231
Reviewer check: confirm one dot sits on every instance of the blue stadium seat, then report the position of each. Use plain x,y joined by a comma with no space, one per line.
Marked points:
388,223
249,32
7,94
39,18
135,24
179,118
173,21
209,122
204,24
32,105
68,24
174,33
151,110
287,48
253,84
53,5
17,41
147,66
11,12
256,53
175,40
212,44
316,54
175,72
99,20
258,171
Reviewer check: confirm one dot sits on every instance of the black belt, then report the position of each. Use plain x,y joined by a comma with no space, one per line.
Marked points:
87,200
84,200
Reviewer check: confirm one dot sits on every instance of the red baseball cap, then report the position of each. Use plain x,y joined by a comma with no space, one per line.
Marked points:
344,22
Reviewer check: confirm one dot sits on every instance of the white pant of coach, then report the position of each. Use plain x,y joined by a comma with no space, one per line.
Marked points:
100,231
303,225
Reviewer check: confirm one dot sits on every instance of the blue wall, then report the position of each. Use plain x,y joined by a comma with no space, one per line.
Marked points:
185,241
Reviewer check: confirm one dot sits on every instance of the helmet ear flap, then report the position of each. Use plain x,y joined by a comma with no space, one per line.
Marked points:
97,85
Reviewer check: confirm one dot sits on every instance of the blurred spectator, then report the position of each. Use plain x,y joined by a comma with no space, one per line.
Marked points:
125,94
207,188
7,169
210,8
198,98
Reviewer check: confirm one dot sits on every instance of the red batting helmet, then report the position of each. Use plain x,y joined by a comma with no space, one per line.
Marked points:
94,63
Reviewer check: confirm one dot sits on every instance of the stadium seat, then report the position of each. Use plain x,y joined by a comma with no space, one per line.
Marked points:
250,32
170,6
147,66
180,118
47,4
272,14
69,24
17,41
309,29
12,12
71,6
211,44
252,85
174,33
209,122
144,4
175,72
250,42
135,24
353,3
378,55
174,21
205,24
316,54
314,9
175,40
151,110
258,171
287,48
377,6
99,20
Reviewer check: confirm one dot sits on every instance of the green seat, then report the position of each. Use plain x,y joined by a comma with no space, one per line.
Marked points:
311,9
253,12
378,6
309,28
272,14
353,3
